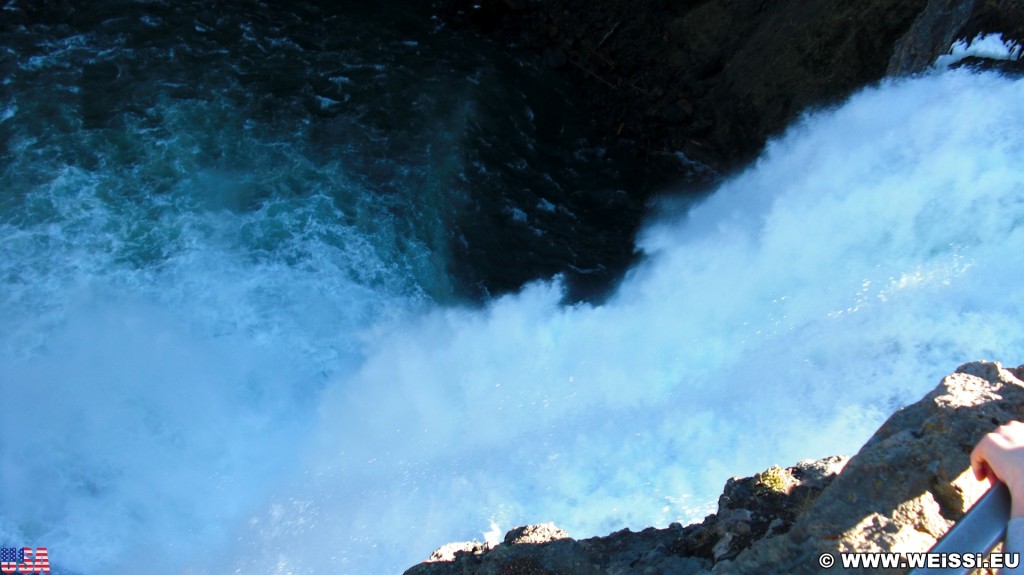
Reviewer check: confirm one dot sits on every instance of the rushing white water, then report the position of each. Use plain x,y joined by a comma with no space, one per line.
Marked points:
274,397
989,46
870,251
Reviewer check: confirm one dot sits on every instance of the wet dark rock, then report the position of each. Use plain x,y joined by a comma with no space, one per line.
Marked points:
744,68
944,21
932,33
704,83
1014,68
555,58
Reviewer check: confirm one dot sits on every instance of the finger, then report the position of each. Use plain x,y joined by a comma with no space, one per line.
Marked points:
979,457
986,473
980,468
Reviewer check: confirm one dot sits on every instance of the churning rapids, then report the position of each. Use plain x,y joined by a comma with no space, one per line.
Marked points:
227,342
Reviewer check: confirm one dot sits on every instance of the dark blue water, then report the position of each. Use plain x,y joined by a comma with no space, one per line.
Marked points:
472,155
250,258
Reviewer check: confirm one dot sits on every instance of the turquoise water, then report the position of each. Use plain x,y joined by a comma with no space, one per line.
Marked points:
238,334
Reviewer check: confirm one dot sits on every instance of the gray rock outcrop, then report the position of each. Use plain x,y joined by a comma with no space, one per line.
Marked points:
902,491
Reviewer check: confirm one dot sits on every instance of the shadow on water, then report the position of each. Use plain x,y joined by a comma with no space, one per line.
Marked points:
479,154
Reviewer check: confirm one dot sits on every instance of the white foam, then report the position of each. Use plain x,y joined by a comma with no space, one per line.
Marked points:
990,46
264,392
165,347
870,251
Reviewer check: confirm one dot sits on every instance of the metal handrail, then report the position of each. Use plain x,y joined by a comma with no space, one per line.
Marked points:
981,529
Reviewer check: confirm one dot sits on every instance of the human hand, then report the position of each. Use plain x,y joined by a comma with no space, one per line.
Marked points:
1000,456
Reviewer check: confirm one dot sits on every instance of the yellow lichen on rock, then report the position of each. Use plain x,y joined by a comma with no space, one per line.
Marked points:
775,480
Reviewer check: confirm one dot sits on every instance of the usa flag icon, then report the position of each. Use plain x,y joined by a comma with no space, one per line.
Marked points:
24,560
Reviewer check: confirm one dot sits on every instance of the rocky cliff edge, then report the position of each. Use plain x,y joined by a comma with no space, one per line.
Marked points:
902,491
